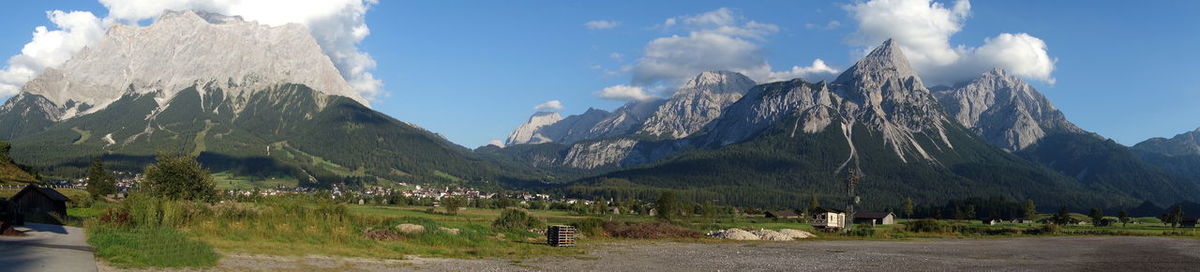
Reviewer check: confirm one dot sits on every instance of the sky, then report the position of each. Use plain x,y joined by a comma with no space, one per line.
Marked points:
473,71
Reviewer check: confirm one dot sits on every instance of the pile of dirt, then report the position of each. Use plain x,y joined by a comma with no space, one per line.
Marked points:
382,234
648,230
797,234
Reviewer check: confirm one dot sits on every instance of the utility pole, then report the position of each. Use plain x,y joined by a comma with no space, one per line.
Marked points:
851,198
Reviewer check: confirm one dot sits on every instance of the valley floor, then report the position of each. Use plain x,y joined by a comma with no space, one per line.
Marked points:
1008,254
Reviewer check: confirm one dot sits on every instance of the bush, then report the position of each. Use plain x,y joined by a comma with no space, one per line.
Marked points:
592,227
658,230
863,231
1045,229
929,225
514,219
179,177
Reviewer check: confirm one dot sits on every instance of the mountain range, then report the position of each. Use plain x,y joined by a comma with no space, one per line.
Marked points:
264,103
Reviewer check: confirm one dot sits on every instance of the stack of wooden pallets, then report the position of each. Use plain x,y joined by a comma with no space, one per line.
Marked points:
560,236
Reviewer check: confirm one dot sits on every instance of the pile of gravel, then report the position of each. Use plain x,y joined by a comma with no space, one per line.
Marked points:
797,234
735,234
761,234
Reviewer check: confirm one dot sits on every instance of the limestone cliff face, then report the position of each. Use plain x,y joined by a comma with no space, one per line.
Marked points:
696,103
880,92
528,133
181,49
1004,110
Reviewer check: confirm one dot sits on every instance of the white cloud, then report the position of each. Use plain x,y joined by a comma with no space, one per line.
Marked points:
715,40
50,48
616,56
923,29
624,93
549,105
816,72
496,142
827,26
601,24
338,26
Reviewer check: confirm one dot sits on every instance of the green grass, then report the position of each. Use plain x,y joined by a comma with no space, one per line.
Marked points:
230,181
150,247
83,135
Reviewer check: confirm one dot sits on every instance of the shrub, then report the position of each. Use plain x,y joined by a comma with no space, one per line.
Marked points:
658,230
179,177
593,227
928,225
514,219
863,231
1045,229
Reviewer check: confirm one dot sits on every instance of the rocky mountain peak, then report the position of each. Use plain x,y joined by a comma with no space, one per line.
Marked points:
1183,144
1003,109
885,61
527,133
183,49
719,82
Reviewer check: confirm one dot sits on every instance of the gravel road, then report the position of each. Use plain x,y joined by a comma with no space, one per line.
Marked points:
1011,254
998,254
47,248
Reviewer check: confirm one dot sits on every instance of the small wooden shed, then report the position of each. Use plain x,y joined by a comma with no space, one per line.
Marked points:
40,203
782,214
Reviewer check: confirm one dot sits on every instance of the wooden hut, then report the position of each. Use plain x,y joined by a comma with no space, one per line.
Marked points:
35,203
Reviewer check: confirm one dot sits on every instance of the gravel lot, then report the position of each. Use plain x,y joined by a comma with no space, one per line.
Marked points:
1007,254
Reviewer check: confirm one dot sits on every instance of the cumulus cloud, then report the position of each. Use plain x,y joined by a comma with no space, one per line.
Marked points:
549,105
715,40
496,142
600,24
50,48
624,93
338,26
815,72
923,29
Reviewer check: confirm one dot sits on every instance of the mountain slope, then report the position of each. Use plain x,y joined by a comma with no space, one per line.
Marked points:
1011,114
245,98
786,140
11,171
1179,155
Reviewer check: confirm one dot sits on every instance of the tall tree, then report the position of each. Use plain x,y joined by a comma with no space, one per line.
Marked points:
100,181
1097,217
970,212
813,204
453,204
668,206
1177,215
1124,216
181,178
1063,216
1030,210
908,207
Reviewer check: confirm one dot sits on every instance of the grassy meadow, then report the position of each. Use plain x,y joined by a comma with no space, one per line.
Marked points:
150,232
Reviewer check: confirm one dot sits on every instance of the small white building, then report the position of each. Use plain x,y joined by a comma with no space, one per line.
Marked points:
824,218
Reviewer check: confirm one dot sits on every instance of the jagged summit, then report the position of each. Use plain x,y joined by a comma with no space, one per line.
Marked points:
886,60
182,49
1003,109
719,82
527,132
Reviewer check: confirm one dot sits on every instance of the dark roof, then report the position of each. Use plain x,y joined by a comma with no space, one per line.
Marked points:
871,215
782,213
49,193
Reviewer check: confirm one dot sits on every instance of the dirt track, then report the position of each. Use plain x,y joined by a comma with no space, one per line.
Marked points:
1009,254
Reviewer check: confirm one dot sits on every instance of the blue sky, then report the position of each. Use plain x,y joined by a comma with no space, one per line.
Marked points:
473,71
